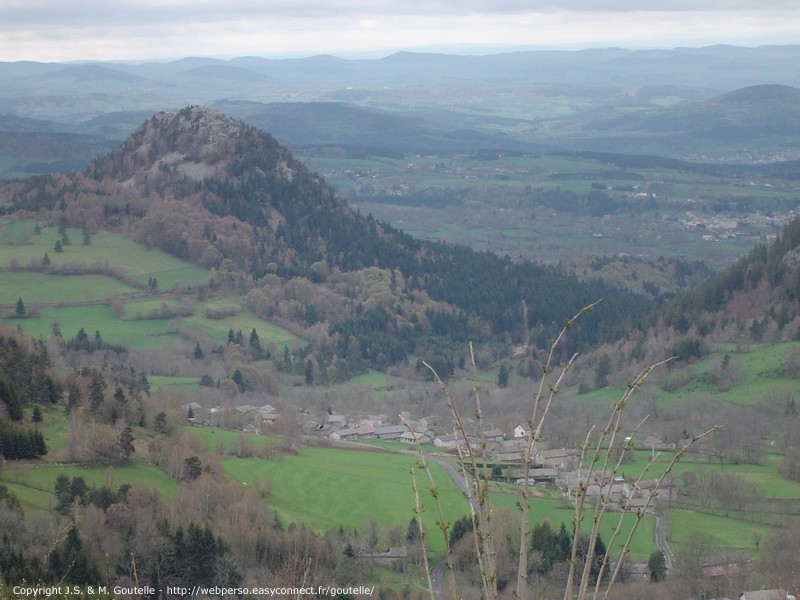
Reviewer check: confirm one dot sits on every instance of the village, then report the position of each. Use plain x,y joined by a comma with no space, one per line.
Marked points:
556,468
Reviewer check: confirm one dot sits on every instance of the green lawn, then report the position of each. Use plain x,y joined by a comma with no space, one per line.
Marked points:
759,368
556,513
766,476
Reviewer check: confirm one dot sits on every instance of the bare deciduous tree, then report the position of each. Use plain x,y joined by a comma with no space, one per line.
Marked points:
604,455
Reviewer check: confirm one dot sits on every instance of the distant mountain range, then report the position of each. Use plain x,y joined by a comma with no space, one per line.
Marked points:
716,103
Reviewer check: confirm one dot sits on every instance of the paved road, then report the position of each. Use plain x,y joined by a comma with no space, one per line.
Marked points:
455,474
661,544
439,575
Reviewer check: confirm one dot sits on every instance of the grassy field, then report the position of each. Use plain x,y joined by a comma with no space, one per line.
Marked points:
36,482
138,335
19,242
721,533
760,373
271,336
217,439
359,486
85,300
174,384
46,289
326,488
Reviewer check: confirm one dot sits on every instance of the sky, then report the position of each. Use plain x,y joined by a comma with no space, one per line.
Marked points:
73,30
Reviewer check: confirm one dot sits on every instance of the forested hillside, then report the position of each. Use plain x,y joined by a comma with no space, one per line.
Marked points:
228,197
755,299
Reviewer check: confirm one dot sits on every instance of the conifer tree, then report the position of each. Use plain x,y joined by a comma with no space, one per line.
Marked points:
126,443
20,309
97,386
502,376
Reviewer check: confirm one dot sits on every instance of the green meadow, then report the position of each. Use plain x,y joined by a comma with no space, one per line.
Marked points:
721,533
173,384
141,319
216,439
271,336
137,335
38,480
326,488
48,289
19,243
760,369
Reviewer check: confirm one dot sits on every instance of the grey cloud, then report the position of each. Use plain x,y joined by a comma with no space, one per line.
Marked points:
130,12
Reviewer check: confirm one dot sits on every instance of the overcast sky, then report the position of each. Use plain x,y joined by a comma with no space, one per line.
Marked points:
65,30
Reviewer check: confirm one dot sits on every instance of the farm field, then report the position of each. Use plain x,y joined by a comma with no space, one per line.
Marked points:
20,242
36,482
656,204
43,288
105,287
366,485
759,373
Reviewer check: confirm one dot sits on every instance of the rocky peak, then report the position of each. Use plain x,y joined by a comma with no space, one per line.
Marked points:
204,124
196,143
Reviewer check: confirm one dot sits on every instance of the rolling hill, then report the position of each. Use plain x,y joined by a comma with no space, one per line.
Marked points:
750,122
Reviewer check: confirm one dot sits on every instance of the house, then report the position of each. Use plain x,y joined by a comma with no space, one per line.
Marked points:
446,441
414,437
193,409
267,413
510,450
565,459
390,432
614,491
494,435
520,431
650,487
311,427
722,571
335,421
363,432
540,476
